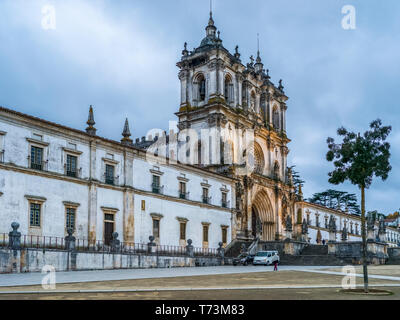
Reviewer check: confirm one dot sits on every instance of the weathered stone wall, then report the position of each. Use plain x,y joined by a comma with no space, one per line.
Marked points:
33,260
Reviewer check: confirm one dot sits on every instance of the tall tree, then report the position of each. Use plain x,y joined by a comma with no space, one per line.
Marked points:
297,180
339,200
358,159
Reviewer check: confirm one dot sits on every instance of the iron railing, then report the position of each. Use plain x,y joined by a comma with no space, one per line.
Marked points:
206,200
225,204
83,245
1,156
183,195
37,165
156,188
71,172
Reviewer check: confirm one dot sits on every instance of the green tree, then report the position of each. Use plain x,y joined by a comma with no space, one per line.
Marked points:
358,159
338,200
297,180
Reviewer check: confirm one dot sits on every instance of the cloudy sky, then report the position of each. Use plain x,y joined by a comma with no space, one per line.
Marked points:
120,56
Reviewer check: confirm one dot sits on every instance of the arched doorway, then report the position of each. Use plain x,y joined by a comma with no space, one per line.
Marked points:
262,219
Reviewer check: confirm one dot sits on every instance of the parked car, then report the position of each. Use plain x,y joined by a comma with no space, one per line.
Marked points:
243,259
266,257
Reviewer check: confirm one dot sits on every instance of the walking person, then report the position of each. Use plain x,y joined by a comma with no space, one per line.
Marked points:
276,265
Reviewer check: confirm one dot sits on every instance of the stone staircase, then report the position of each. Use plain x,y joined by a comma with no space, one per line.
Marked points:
233,249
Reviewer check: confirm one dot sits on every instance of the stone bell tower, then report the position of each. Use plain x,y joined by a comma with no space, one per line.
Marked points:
244,116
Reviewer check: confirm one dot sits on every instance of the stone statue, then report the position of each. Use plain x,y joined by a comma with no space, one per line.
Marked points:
289,225
304,227
332,224
14,237
382,227
344,234
290,176
370,223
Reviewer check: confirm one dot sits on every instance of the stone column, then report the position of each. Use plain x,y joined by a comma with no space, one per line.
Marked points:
128,217
92,221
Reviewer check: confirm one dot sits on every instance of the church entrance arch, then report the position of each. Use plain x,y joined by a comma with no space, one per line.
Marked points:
262,217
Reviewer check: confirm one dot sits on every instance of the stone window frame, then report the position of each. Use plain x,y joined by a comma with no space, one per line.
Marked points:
2,145
115,164
70,205
224,228
182,221
111,211
75,153
158,217
35,200
317,214
205,226
38,144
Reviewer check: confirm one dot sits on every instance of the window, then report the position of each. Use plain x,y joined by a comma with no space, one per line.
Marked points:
156,228
205,233
71,165
228,89
70,218
202,89
224,235
35,209
182,231
156,184
224,200
326,222
182,190
206,199
36,158
275,118
109,174
108,227
317,220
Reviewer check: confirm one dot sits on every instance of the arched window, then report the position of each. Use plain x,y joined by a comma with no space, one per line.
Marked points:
228,89
275,118
199,88
256,159
202,89
244,95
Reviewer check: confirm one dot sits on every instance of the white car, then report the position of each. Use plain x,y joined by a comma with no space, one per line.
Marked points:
266,257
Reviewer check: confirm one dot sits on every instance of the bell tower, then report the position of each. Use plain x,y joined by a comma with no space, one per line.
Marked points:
244,116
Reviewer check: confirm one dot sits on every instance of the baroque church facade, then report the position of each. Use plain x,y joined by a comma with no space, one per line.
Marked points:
222,175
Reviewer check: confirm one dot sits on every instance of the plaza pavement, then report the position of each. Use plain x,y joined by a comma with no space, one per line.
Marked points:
24,279
227,282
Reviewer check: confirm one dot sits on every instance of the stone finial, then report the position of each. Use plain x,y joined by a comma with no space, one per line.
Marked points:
70,240
126,134
300,193
14,236
91,129
251,60
267,75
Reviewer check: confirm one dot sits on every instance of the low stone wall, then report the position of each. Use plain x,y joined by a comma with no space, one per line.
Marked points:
33,260
394,255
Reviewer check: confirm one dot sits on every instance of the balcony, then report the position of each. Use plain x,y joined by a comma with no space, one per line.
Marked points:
184,195
77,173
225,204
206,200
37,165
156,188
111,180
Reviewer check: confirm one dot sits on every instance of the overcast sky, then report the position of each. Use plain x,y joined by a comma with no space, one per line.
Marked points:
120,56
